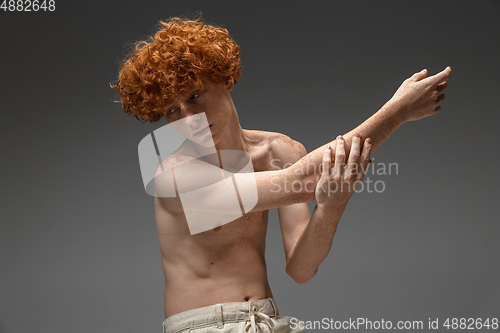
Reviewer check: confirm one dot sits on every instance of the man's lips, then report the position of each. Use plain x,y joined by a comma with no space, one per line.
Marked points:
202,130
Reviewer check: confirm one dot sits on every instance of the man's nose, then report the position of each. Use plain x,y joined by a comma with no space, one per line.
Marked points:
189,114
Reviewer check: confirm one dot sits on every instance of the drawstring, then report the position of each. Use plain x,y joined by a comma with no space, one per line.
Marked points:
256,317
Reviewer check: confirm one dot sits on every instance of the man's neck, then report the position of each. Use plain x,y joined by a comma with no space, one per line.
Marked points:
234,137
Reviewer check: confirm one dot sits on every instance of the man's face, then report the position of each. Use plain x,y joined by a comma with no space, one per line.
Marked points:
213,102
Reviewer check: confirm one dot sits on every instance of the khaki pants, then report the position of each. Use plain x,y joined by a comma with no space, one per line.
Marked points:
247,317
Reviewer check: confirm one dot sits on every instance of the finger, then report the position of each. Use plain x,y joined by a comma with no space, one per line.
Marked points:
352,163
440,98
365,157
419,76
441,76
327,160
339,158
442,86
437,109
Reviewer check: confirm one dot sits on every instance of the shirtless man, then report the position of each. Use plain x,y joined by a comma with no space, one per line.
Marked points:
217,280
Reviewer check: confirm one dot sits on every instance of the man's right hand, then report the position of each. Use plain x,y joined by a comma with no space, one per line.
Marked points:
419,97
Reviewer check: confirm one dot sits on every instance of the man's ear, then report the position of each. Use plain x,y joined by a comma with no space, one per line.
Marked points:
229,83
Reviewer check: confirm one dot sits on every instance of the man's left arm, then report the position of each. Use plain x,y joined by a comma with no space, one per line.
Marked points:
308,239
296,222
293,218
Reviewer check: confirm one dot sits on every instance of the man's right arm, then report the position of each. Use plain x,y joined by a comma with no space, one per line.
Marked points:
416,98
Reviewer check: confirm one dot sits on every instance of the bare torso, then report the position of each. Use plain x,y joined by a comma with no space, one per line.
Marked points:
225,264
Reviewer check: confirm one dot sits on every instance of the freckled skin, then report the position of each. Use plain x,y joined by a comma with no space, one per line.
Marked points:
227,264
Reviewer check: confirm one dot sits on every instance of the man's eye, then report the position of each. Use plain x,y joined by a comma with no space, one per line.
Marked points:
172,111
194,96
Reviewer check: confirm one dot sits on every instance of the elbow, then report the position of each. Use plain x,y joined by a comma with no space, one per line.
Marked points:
300,280
300,276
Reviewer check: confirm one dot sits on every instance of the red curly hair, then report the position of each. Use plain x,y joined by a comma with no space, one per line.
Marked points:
178,57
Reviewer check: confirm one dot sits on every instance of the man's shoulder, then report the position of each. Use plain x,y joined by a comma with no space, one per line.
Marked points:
280,149
170,162
179,156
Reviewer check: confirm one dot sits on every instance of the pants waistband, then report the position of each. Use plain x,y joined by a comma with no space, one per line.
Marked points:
221,313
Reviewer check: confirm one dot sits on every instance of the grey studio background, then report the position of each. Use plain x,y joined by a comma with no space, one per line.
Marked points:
78,244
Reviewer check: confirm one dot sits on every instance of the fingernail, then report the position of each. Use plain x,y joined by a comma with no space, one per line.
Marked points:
328,147
368,140
339,137
356,135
